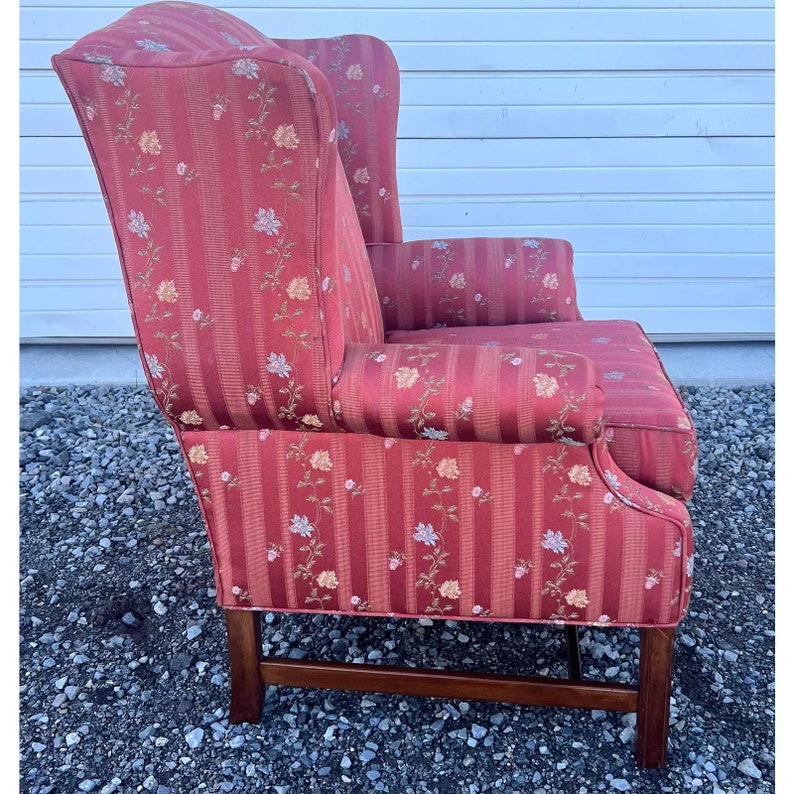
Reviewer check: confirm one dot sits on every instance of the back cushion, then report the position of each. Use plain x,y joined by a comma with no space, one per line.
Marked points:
216,154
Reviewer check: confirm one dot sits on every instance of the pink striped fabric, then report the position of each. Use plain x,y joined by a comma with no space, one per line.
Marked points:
468,393
365,82
474,281
241,293
452,535
459,472
650,432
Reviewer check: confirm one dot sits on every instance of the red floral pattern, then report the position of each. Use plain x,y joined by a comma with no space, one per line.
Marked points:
475,281
650,432
463,472
365,81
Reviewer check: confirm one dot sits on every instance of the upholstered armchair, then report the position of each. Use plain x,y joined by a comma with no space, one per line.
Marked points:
372,426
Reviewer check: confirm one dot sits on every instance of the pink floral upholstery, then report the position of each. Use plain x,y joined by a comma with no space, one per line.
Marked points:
353,522
649,431
365,82
475,281
460,471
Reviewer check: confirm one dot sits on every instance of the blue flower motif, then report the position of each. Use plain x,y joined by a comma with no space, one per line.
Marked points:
554,541
530,243
614,375
431,432
301,525
441,245
424,534
342,131
113,74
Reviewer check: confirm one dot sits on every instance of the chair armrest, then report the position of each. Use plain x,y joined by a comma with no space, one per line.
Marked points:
475,281
468,393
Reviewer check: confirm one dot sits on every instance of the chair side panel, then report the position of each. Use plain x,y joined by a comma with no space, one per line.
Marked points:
527,532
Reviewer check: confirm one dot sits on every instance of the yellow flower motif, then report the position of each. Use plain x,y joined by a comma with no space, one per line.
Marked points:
354,72
148,142
580,474
190,418
361,176
550,281
197,454
312,420
577,598
545,385
321,460
406,377
448,467
328,580
450,589
166,292
286,137
298,289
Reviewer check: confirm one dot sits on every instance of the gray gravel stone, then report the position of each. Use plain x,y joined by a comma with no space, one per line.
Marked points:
748,768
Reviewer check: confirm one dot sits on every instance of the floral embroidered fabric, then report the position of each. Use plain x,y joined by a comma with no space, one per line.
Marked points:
461,471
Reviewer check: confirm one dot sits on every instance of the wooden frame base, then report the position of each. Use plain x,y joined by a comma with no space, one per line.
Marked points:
250,673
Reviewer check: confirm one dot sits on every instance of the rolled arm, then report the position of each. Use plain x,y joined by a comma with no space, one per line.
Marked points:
468,393
474,281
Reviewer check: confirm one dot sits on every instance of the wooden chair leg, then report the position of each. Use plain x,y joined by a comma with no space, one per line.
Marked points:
653,706
244,636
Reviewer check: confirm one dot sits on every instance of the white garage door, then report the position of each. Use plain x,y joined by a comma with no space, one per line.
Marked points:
641,132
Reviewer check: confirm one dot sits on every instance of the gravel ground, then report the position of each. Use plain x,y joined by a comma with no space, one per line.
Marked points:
123,678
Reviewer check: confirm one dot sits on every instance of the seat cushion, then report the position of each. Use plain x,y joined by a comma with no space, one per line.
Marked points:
650,434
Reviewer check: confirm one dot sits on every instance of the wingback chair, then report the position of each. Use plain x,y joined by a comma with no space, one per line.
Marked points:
375,427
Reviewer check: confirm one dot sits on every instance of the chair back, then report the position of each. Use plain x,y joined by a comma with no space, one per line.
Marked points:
241,252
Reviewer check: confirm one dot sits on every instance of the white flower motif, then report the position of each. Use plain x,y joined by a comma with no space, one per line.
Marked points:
678,548
246,67
690,565
152,46
612,478
614,375
554,541
136,223
156,369
550,281
424,534
350,484
277,365
113,74
301,525
266,221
